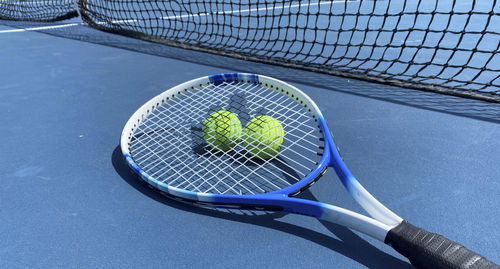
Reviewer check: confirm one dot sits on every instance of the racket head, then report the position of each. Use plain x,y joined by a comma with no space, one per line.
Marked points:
150,142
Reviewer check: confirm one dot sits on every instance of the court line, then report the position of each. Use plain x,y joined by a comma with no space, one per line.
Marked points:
247,10
40,28
186,16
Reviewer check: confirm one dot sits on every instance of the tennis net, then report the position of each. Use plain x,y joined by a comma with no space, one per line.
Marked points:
40,11
445,46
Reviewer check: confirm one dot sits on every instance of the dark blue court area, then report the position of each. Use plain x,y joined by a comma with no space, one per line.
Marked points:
68,200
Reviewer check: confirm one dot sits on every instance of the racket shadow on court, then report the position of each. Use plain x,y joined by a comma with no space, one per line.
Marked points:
349,244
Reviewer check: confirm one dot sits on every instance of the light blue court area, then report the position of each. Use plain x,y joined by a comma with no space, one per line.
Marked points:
68,199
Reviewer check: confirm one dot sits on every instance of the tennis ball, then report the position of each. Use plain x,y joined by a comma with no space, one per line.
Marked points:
222,130
263,137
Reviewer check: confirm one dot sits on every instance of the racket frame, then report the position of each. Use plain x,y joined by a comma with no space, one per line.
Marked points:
280,200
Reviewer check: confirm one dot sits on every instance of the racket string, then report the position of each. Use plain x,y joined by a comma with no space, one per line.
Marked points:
160,119
224,172
215,175
172,152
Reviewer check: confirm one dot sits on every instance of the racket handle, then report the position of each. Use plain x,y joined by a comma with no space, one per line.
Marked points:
429,250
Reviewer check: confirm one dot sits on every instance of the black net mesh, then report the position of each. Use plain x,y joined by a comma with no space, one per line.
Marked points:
33,10
446,46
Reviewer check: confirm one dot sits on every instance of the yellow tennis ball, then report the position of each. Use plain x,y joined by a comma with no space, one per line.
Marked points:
222,130
263,137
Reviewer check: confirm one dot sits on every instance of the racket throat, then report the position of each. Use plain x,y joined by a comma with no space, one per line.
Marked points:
371,205
338,215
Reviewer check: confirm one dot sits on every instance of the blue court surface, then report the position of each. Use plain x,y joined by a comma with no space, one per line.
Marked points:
68,200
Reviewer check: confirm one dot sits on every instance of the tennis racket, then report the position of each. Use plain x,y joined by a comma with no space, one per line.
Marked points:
163,143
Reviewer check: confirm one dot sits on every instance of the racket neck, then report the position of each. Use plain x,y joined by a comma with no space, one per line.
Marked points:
335,214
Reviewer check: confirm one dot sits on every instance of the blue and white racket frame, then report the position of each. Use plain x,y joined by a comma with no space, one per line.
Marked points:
424,249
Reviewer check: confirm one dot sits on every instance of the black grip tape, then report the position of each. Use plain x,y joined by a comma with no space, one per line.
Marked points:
429,250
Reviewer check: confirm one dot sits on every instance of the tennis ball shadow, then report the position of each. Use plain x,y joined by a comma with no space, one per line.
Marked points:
348,243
